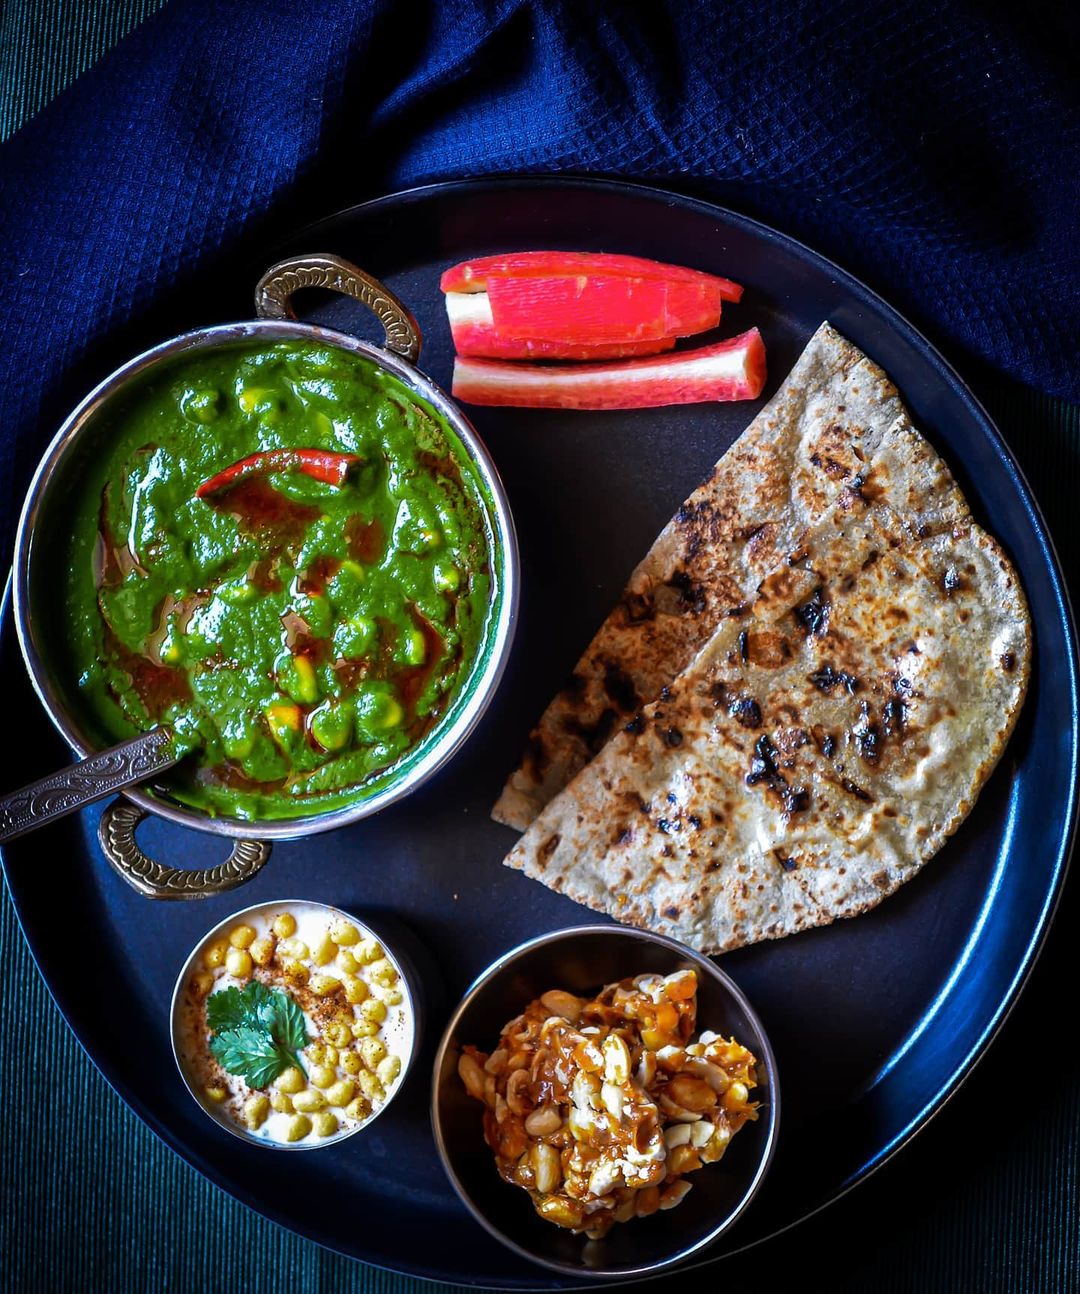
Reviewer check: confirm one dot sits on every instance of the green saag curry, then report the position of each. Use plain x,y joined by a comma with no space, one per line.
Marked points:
286,558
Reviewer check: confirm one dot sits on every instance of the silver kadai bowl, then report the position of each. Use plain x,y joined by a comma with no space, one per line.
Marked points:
35,584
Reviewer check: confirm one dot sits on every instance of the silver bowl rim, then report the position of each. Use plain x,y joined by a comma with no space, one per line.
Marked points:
767,1059
412,999
488,669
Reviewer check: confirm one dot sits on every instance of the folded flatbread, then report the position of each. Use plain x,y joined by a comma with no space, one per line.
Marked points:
836,412
826,733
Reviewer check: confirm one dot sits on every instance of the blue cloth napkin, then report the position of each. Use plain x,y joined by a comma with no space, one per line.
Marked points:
933,151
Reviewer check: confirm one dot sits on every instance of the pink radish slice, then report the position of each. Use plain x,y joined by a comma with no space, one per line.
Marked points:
729,370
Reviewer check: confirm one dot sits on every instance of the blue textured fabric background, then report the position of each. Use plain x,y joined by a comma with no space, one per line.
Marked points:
935,153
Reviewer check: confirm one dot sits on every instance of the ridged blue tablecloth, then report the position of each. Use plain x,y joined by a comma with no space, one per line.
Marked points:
987,1197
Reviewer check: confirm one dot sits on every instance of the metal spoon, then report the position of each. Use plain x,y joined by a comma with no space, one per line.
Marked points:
90,779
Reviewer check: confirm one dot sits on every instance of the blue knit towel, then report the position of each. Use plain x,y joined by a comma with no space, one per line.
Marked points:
934,151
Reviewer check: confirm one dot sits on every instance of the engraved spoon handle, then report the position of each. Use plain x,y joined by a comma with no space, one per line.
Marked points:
86,781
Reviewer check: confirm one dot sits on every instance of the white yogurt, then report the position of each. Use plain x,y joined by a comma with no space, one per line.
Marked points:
224,1095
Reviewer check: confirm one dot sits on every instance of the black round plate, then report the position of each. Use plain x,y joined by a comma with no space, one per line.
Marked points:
874,1021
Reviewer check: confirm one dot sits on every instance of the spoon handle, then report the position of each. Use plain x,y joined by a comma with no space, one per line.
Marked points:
86,781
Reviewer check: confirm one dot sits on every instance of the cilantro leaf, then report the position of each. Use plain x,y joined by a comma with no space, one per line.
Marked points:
252,1054
289,1026
256,1031
231,1007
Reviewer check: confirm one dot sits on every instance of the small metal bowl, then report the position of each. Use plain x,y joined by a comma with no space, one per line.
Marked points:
180,1007
38,611
582,960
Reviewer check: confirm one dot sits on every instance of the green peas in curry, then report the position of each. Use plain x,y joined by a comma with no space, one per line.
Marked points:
303,620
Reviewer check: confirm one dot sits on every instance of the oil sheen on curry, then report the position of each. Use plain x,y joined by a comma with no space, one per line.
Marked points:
286,558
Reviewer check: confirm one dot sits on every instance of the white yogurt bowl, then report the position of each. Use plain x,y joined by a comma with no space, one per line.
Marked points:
359,1004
